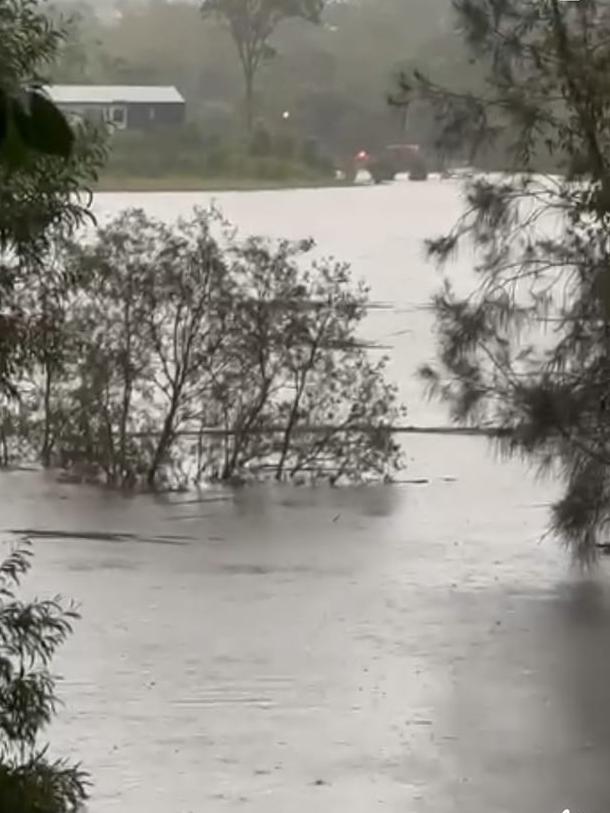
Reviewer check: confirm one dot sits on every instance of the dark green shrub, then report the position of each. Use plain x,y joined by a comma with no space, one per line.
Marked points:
285,146
312,156
217,160
261,143
274,169
158,153
310,152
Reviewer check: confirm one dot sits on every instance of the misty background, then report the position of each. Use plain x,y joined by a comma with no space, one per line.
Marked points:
334,79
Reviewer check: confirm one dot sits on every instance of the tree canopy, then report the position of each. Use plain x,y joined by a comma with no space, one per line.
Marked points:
28,119
252,24
528,352
45,166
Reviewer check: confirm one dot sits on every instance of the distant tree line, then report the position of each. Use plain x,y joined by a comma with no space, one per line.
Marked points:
187,153
316,73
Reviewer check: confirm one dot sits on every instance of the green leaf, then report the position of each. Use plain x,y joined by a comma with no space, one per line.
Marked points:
43,127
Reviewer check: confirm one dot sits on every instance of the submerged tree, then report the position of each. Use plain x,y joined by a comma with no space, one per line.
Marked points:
529,350
252,24
298,387
146,324
30,634
247,347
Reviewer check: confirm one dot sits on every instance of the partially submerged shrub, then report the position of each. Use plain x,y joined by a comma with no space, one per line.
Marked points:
261,143
185,344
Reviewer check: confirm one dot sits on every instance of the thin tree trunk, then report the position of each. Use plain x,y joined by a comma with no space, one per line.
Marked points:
47,443
247,426
292,420
294,412
200,451
166,437
127,392
162,446
5,454
249,100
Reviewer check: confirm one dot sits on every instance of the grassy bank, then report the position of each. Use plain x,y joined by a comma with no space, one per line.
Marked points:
189,183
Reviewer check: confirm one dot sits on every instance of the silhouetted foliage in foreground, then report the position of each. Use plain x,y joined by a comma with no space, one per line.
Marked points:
30,634
529,349
180,353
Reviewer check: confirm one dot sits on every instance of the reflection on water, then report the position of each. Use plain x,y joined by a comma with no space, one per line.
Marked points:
409,648
584,603
583,681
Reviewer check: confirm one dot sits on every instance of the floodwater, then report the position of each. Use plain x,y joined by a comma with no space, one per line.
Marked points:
379,230
413,648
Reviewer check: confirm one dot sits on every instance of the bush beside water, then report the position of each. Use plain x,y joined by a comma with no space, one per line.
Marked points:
250,348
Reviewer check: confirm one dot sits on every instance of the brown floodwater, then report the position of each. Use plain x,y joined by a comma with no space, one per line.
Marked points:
280,650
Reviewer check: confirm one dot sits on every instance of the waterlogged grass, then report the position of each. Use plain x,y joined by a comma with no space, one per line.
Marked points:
189,183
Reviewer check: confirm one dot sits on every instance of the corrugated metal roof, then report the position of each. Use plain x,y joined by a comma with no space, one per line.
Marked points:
114,94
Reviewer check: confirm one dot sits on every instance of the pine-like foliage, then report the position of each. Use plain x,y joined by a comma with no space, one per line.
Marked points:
30,634
529,350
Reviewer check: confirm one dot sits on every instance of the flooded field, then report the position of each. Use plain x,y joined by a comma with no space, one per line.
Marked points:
281,650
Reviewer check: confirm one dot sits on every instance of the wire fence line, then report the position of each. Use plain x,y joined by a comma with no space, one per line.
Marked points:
321,429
